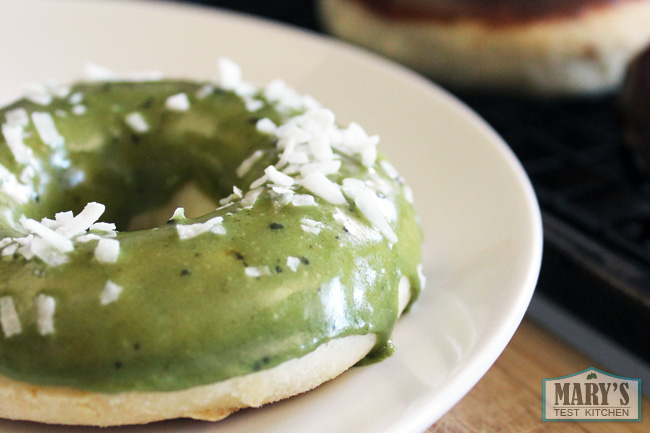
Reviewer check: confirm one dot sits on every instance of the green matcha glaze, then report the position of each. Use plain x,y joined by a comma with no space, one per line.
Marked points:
188,314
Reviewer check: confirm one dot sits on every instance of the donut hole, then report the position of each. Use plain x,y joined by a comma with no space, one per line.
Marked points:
181,159
195,202
137,196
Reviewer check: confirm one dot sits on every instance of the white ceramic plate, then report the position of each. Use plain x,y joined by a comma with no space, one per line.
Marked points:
480,216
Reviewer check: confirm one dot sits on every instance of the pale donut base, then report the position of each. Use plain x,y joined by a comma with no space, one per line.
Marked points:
213,402
584,55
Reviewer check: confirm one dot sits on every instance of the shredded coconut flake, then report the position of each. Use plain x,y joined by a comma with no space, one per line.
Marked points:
29,173
248,163
178,102
179,214
250,198
329,167
281,200
324,188
13,134
389,169
311,226
259,182
291,131
137,122
204,91
283,96
298,158
107,250
189,231
257,271
46,128
230,74
303,200
103,227
110,293
266,125
38,93
53,239
95,72
408,193
357,230
293,263
83,221
404,293
218,229
320,147
291,169
366,201
310,222
369,156
76,98
10,249
17,116
13,188
278,177
237,193
9,317
87,238
253,105
42,249
45,308
281,190
79,110
62,218
422,277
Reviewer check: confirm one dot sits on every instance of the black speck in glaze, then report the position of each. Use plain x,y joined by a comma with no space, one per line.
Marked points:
240,256
147,103
276,226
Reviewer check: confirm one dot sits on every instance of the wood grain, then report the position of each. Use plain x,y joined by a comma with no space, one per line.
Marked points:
509,397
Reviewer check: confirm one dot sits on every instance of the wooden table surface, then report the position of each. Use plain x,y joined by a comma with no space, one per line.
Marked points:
509,397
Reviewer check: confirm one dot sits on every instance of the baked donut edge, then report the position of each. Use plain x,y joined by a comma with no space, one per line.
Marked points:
587,54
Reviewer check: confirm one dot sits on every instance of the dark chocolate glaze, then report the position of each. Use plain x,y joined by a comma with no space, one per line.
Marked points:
492,12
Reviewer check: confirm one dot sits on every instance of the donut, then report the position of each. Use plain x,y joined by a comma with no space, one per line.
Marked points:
117,306
553,48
